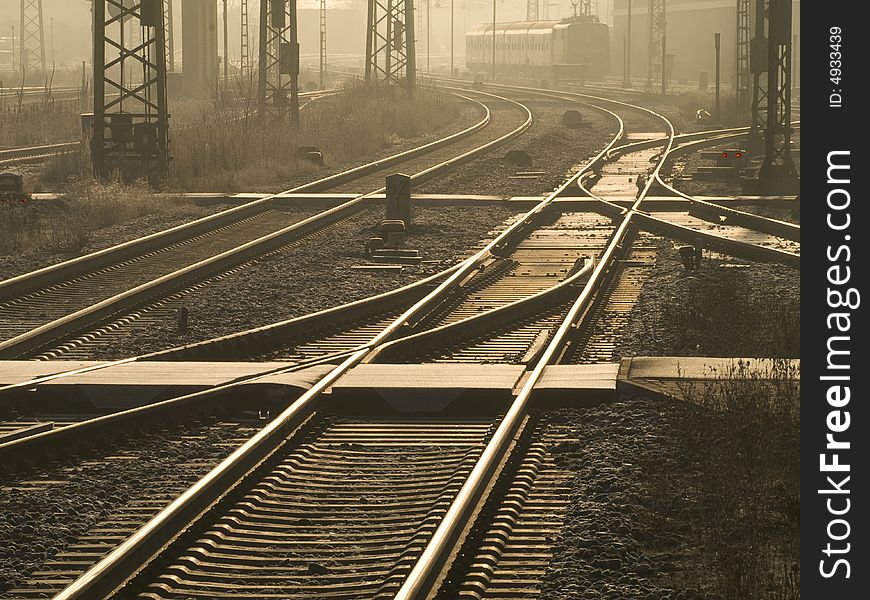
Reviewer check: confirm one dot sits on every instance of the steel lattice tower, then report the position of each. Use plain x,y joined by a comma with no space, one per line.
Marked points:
744,33
657,45
279,59
390,52
778,169
31,53
758,66
131,121
322,43
532,10
245,60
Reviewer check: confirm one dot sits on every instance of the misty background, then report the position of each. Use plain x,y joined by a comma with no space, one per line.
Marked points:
691,25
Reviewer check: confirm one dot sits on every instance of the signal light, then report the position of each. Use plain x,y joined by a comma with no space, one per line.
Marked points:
738,155
724,155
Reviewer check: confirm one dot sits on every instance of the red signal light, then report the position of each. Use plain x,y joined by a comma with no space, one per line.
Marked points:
739,155
724,155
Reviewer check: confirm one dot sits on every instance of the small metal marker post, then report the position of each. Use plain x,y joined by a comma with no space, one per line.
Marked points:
399,198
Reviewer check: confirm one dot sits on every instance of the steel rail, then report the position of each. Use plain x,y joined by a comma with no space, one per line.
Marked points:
431,566
469,326
129,558
718,213
690,235
34,280
37,152
71,323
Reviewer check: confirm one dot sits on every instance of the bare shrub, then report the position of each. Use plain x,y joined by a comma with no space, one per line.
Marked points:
65,227
745,442
217,144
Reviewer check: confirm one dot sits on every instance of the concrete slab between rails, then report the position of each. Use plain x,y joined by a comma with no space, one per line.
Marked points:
576,385
669,376
432,387
137,383
688,377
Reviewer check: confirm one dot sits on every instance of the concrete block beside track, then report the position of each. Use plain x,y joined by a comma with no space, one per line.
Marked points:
131,384
429,387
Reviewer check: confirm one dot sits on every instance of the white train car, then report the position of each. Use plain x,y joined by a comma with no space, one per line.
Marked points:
567,49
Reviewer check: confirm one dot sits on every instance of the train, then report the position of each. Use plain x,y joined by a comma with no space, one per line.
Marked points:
576,48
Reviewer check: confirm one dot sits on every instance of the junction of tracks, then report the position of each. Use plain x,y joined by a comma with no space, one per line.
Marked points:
398,445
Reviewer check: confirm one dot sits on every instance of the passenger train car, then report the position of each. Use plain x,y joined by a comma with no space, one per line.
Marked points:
573,48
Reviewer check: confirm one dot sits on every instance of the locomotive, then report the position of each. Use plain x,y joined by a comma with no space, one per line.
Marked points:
573,48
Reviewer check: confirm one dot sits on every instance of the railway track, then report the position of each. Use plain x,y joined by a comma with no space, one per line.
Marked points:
41,309
242,529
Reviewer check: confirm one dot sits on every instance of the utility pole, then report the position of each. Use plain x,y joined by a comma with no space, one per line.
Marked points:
758,66
428,36
742,81
170,37
452,35
718,39
322,43
226,46
778,172
657,44
532,10
628,47
245,60
13,48
493,40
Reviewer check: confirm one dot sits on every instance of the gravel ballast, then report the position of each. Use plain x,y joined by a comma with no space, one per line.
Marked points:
44,512
179,213
316,273
726,308
555,151
659,511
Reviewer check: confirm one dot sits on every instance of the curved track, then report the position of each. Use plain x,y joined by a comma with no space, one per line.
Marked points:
39,318
396,543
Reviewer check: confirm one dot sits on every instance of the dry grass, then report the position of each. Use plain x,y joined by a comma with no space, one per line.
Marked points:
217,144
745,441
732,114
223,146
45,120
65,227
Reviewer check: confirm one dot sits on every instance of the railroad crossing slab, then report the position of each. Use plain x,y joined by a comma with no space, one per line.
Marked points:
576,384
683,377
428,387
136,383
